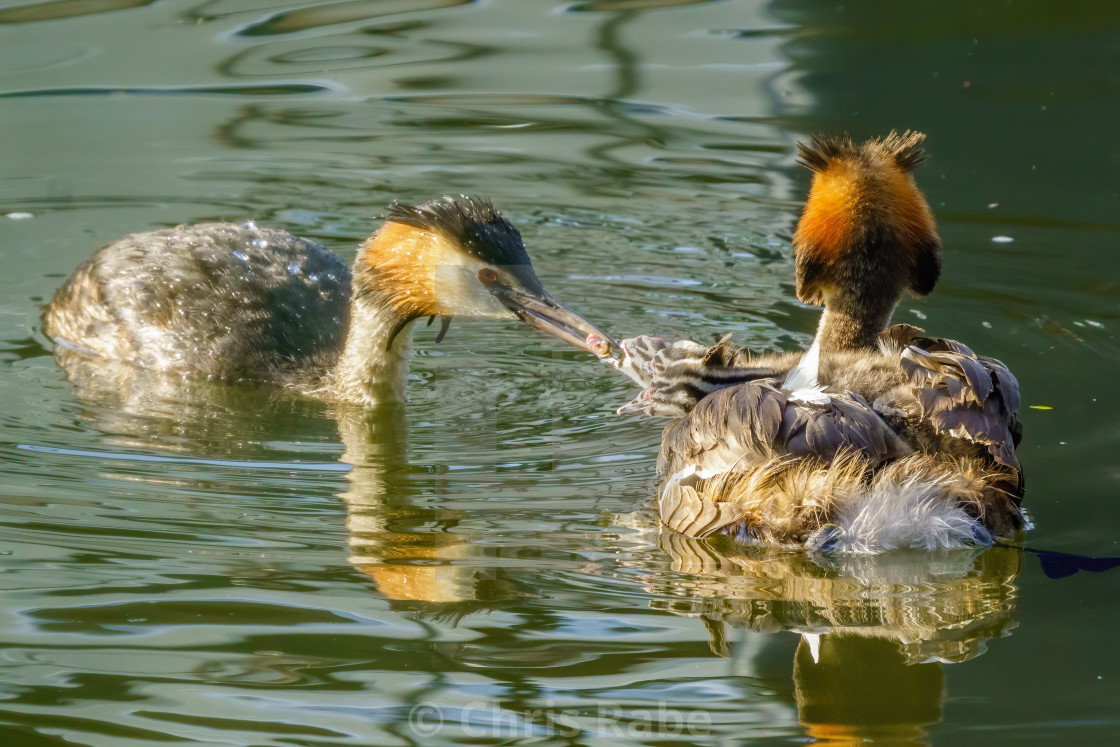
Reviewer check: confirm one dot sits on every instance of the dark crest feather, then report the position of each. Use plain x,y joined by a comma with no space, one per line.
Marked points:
473,223
906,149
821,149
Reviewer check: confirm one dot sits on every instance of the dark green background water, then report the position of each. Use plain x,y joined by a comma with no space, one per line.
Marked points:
489,569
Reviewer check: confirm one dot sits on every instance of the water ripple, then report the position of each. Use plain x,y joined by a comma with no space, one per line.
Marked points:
330,14
317,467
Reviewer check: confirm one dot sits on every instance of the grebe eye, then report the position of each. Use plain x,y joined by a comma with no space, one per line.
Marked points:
488,275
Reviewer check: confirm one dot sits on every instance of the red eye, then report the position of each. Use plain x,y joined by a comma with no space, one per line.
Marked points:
488,275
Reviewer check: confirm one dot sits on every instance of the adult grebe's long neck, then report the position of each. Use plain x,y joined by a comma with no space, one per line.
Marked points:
848,323
851,322
371,370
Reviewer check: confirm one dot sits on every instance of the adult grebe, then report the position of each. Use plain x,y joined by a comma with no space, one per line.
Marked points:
876,438
232,302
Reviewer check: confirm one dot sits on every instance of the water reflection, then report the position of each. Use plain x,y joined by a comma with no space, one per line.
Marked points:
322,15
59,9
875,629
648,140
385,45
853,690
412,554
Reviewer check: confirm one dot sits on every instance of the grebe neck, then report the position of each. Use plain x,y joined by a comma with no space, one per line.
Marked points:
853,323
371,370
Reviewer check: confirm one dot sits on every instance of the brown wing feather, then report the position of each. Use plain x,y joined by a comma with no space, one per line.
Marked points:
683,510
757,421
967,396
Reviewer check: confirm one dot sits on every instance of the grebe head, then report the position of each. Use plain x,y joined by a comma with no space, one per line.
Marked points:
866,231
460,257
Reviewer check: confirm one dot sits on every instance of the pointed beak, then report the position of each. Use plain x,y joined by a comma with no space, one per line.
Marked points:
543,311
640,405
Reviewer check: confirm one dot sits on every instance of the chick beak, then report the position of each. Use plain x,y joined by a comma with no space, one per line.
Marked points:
541,310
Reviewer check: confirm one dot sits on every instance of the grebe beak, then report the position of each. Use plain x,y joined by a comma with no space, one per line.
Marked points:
542,310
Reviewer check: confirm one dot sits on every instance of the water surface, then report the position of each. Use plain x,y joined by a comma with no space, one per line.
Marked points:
215,565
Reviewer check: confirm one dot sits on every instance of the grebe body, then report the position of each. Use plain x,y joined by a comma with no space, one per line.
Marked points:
238,303
878,437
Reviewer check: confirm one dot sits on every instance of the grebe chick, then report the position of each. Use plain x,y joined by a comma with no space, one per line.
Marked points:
230,302
876,438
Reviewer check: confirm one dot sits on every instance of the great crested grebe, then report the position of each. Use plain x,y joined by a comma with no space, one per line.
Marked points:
875,438
231,302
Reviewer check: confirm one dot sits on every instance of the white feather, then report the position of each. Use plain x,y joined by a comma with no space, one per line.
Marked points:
900,514
804,374
801,381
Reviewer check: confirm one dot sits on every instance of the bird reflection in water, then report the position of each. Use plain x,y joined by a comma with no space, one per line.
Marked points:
875,630
411,553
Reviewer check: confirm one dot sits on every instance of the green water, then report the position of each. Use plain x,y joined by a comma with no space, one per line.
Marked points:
481,567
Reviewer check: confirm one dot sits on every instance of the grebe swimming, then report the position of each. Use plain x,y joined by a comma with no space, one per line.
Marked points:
232,302
877,437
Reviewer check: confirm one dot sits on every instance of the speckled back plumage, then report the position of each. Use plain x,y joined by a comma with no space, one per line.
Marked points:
216,300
